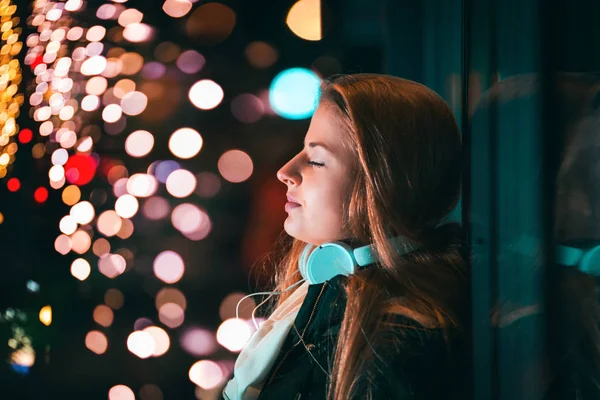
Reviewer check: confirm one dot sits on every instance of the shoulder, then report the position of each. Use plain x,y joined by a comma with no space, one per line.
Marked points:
419,362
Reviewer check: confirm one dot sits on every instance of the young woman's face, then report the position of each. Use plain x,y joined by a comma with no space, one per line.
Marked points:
319,180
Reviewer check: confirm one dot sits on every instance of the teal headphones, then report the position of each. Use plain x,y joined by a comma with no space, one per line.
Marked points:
339,258
585,258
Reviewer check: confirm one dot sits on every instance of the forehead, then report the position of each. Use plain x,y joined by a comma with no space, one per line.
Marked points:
327,126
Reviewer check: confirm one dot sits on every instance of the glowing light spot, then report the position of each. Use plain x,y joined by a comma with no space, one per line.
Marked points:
134,103
229,304
71,195
93,66
211,23
170,295
185,143
96,342
25,135
294,93
181,183
103,315
120,392
141,344
198,342
83,212
112,265
233,334
80,169
171,315
114,299
206,374
13,184
208,184
206,94
190,62
177,8
130,16
96,33
261,54
112,113
81,241
247,108
137,33
161,340
63,244
156,208
235,166
67,225
168,266
90,103
188,218
126,206
46,315
101,247
81,269
304,19
142,185
109,223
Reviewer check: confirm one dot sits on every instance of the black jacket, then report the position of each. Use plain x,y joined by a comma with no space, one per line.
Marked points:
427,371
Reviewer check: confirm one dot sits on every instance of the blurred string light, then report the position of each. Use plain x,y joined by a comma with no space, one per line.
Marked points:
87,87
304,19
295,92
22,354
10,78
46,315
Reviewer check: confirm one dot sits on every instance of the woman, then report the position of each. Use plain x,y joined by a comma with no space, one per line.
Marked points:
381,160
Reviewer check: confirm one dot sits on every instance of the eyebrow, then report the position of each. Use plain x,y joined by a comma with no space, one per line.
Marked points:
319,144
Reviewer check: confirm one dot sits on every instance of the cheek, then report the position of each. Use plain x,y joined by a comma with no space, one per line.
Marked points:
326,205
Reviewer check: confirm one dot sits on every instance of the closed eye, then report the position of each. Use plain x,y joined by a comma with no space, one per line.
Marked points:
316,164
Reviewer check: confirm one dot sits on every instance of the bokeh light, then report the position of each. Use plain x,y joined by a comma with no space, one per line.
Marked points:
206,374
206,94
235,166
103,315
294,93
210,24
168,266
120,392
96,342
185,143
304,19
233,334
198,342
141,343
139,143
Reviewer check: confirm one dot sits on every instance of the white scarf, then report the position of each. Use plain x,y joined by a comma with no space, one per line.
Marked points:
261,351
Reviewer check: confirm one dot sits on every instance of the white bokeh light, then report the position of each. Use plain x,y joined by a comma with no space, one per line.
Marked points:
233,334
168,266
126,206
141,344
206,94
181,183
139,143
185,143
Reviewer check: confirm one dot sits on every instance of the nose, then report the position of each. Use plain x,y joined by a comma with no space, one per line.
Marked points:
288,175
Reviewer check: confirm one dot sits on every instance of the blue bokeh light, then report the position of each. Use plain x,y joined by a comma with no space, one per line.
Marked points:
294,93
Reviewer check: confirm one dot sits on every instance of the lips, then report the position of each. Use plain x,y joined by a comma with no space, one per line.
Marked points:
291,199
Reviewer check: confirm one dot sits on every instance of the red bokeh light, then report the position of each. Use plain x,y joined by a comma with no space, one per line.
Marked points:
13,184
41,194
80,169
25,136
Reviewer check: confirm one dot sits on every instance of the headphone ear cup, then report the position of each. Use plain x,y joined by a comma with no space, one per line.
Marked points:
303,261
329,260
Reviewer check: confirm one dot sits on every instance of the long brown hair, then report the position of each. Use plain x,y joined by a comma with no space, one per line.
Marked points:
408,153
